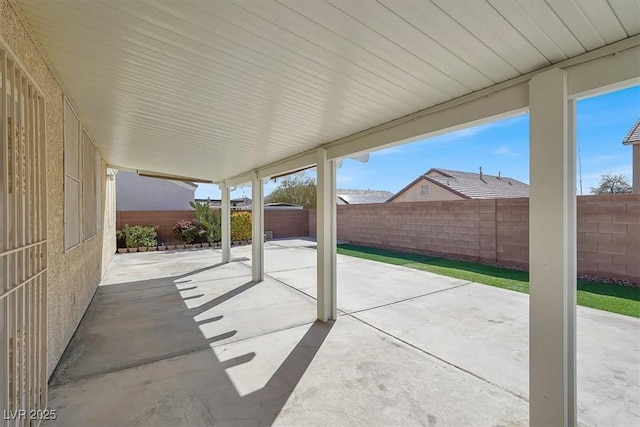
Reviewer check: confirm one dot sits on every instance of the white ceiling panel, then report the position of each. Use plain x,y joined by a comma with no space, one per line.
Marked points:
212,89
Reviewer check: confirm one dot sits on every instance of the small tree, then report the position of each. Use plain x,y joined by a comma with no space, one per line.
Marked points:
209,219
296,191
612,184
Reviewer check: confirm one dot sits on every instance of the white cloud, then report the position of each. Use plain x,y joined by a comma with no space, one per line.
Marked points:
504,151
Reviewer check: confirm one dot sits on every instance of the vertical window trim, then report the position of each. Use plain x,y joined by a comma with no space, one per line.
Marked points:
86,236
78,180
99,173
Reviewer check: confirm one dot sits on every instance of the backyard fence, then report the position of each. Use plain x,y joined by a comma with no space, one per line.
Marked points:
494,231
281,222
497,231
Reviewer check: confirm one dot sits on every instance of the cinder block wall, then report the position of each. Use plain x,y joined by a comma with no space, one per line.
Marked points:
497,231
283,223
165,220
609,236
287,223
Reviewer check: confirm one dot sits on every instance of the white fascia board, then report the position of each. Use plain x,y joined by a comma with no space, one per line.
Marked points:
185,185
611,69
508,101
598,71
605,74
290,164
245,178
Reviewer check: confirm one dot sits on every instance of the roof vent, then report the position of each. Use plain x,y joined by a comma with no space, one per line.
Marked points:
499,175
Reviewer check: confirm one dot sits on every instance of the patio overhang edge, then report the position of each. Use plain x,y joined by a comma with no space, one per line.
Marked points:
608,68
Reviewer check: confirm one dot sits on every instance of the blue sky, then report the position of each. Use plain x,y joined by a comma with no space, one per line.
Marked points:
500,146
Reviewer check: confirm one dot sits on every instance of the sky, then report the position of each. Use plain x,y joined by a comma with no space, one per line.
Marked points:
500,146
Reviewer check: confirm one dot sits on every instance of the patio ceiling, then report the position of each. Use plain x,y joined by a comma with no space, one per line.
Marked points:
212,89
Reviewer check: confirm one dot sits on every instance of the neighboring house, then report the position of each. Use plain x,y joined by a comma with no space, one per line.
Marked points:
140,193
445,184
242,203
356,197
282,206
633,138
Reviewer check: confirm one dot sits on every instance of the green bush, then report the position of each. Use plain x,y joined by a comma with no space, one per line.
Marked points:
190,232
139,236
209,219
241,226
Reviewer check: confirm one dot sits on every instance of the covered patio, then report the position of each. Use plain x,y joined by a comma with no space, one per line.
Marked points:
183,339
239,92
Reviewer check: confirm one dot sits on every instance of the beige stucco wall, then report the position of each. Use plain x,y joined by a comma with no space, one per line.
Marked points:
72,277
436,193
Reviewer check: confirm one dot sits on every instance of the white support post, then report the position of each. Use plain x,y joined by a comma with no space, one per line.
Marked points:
326,237
225,212
552,252
257,229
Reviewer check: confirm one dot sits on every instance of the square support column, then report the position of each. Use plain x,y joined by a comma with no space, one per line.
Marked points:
257,229
326,237
225,223
552,252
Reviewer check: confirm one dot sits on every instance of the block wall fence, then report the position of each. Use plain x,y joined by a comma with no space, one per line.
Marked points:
493,231
283,223
497,231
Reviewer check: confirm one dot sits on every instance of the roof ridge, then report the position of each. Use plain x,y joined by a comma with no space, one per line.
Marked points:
631,135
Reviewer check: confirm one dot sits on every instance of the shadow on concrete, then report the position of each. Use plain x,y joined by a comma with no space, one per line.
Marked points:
133,325
130,324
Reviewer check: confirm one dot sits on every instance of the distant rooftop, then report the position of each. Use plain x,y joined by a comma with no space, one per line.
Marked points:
356,197
633,137
471,185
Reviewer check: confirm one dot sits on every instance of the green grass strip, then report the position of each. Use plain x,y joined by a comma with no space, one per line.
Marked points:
600,295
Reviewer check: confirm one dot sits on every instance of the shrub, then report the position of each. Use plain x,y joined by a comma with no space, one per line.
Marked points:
138,236
190,231
209,219
241,226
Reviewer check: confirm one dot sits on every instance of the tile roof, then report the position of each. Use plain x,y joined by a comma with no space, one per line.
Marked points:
355,197
633,137
470,185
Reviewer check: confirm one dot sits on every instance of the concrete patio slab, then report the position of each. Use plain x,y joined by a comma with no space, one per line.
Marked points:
283,258
195,342
485,331
160,313
365,284
150,265
334,374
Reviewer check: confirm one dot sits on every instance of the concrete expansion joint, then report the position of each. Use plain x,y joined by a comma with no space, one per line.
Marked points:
288,285
175,355
149,361
481,378
409,299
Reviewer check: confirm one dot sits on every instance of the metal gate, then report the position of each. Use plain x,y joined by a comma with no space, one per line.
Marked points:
23,247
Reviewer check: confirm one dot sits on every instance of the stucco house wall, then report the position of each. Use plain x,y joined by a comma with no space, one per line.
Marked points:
141,193
414,193
73,276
